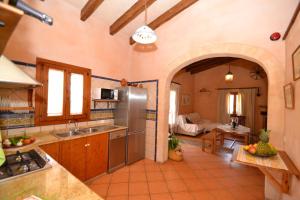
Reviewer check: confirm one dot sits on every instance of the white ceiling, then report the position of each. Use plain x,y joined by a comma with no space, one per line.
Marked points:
110,10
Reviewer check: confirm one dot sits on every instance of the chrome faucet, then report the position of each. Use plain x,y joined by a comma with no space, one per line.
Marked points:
76,128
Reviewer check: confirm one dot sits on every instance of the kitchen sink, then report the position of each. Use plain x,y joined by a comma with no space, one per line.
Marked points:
68,133
83,131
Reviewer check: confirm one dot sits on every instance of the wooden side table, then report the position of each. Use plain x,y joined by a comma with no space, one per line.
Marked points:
280,163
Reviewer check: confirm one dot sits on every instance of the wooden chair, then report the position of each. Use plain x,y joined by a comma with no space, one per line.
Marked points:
212,138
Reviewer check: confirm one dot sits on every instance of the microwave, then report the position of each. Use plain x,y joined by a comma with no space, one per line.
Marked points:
104,93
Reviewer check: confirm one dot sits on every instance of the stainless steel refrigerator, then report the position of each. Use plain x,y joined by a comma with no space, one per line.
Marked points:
131,112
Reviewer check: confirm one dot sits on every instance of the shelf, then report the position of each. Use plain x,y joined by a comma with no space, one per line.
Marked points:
10,16
105,100
16,108
280,163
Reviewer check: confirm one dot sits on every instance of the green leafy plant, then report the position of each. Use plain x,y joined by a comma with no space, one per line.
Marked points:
173,142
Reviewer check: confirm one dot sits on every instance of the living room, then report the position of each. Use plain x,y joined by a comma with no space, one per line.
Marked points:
207,97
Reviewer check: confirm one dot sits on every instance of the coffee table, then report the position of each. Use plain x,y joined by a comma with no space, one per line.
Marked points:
240,131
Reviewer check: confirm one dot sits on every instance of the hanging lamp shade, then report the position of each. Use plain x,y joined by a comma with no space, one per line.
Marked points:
144,35
229,75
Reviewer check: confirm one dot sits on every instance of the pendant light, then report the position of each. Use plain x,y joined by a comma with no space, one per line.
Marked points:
229,75
144,34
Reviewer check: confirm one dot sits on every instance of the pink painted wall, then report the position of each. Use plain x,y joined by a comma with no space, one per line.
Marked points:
292,125
186,88
69,40
213,22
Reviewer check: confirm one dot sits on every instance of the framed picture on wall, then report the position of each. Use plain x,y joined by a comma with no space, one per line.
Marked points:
289,96
296,64
186,100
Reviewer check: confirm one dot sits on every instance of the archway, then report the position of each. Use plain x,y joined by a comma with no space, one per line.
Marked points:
270,64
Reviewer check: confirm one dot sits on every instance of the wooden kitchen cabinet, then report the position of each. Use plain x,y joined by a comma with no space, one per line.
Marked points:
72,156
96,155
52,150
85,157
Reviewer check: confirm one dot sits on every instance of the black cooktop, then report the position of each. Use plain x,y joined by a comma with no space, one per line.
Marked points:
21,163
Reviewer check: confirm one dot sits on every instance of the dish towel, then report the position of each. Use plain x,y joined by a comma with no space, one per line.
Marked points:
2,155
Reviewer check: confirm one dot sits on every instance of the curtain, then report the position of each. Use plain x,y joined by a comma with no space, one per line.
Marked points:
174,105
248,106
223,116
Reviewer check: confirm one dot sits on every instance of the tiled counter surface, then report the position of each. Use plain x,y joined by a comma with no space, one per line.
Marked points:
55,183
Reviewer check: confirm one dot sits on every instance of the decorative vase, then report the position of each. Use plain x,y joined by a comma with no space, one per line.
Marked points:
124,82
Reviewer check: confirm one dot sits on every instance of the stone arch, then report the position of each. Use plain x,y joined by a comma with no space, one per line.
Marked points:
265,59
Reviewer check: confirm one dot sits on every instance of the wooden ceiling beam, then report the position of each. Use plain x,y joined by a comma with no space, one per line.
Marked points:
217,62
89,8
129,15
169,14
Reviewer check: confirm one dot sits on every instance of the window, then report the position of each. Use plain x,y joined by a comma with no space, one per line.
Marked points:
65,94
234,103
172,110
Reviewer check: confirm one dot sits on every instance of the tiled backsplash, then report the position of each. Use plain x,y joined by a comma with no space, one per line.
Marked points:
102,113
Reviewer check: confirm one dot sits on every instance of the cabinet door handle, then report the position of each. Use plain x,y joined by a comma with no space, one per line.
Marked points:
87,145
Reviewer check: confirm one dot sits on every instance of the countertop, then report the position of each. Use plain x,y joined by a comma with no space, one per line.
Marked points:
54,183
49,137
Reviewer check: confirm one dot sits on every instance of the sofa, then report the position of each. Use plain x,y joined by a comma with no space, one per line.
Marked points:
192,124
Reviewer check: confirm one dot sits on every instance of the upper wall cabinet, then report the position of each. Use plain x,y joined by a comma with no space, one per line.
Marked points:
65,94
9,18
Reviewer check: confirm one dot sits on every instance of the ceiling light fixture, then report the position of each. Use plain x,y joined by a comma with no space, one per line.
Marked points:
144,34
229,75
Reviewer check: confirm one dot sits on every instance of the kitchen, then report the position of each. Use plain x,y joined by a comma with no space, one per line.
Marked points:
85,93
99,135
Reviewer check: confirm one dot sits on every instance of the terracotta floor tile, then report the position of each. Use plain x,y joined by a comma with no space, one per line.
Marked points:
203,174
137,176
120,177
118,189
152,168
222,194
158,187
182,195
241,193
195,184
101,180
138,188
213,184
166,167
171,175
137,168
139,197
117,198
176,186
122,170
154,176
100,189
147,161
203,195
165,196
186,174
227,182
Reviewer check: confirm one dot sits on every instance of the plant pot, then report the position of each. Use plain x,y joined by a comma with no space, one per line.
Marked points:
175,154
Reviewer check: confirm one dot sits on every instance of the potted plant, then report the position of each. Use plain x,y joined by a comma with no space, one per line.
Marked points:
175,151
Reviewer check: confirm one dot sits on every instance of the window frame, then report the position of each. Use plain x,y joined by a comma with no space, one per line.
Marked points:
41,97
234,113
